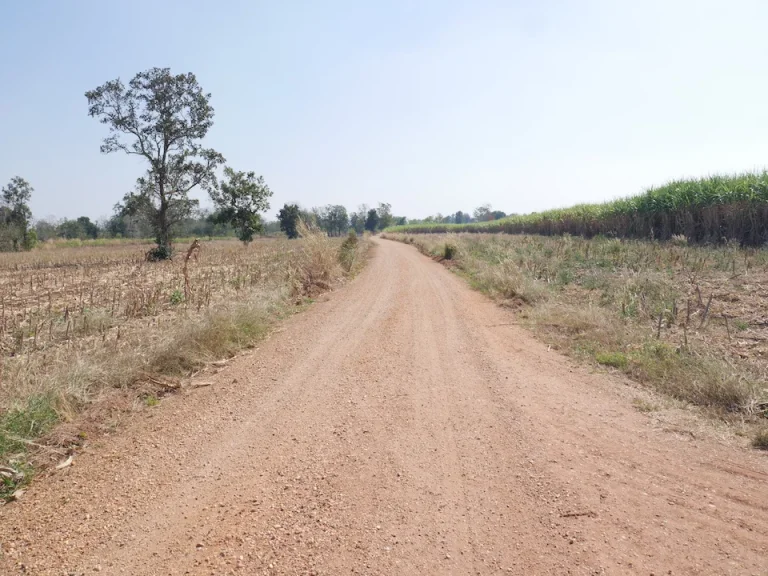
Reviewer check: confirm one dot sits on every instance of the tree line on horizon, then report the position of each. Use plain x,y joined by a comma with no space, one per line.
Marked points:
18,230
336,221
163,118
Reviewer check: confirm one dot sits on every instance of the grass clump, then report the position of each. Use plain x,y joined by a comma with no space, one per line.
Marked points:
760,440
644,406
218,334
317,265
348,251
33,418
612,359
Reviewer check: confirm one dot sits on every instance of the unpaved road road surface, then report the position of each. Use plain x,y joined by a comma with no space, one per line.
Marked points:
404,425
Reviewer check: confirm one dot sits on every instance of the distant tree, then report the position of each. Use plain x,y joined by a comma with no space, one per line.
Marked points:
498,215
357,220
400,220
336,220
372,220
355,223
7,230
385,215
460,217
161,118
117,226
483,213
310,217
90,230
289,220
81,228
46,229
16,214
239,200
70,229
272,227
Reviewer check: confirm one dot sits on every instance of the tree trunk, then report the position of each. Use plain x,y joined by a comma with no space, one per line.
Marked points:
163,232
164,249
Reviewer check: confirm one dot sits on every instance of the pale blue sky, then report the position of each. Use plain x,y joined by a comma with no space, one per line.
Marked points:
433,106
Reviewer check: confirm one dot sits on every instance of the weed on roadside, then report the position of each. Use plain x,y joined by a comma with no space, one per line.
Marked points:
613,359
348,251
644,406
33,418
760,439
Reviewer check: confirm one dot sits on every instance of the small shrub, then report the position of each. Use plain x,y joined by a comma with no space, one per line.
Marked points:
741,325
613,359
760,440
644,406
678,240
158,254
348,251
449,251
316,266
151,401
177,297
30,240
564,277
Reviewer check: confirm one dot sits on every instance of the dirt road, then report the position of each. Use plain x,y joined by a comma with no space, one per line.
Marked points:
406,426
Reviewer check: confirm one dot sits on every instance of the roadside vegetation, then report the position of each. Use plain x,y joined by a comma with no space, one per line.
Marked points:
687,320
15,232
707,210
81,327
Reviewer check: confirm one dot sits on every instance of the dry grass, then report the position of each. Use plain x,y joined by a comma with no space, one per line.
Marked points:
80,323
760,440
689,321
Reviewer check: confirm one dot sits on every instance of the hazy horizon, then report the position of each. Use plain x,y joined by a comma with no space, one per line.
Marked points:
429,106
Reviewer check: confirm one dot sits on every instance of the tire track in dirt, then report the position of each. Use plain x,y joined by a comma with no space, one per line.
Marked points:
400,426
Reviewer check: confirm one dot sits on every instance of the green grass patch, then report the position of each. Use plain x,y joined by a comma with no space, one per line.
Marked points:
26,422
613,359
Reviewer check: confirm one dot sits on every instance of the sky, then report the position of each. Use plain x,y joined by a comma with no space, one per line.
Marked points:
432,106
